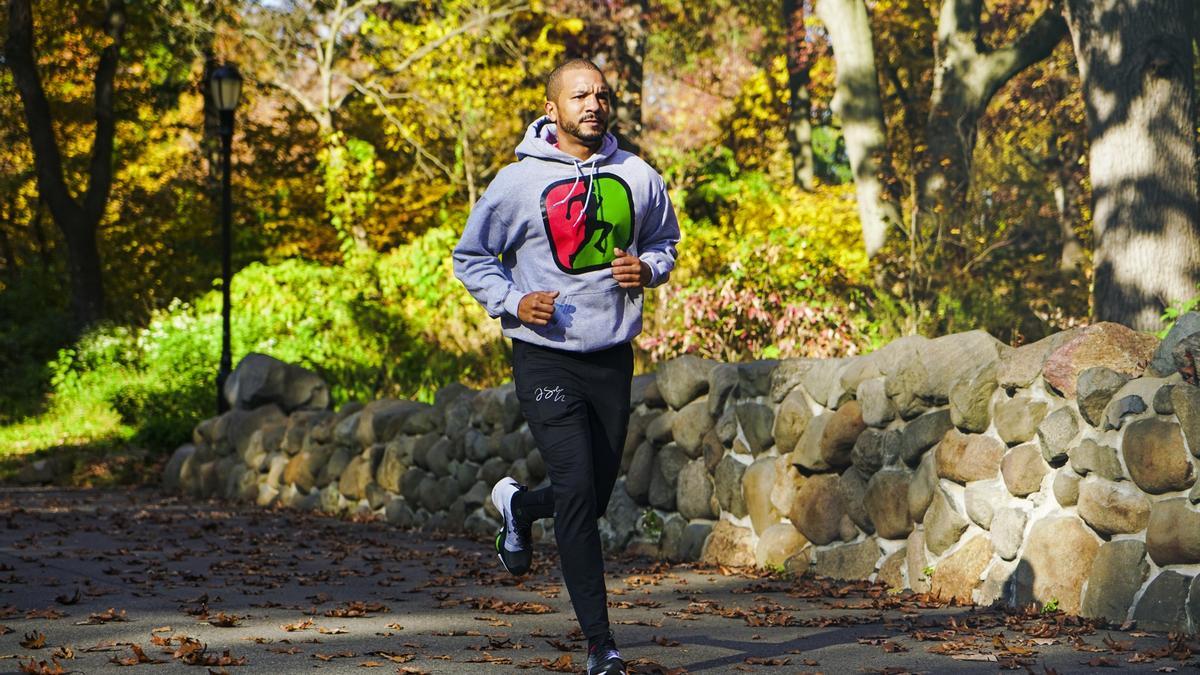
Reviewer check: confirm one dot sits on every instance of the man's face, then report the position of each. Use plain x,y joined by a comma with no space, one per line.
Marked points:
583,105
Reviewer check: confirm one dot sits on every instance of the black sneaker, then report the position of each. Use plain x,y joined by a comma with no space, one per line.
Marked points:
513,540
604,659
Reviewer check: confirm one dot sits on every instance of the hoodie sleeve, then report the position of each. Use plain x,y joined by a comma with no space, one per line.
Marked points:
476,257
659,235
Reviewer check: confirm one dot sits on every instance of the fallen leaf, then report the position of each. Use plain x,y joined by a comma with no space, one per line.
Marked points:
337,655
107,616
48,613
43,668
393,657
139,656
285,650
34,640
68,600
223,620
766,661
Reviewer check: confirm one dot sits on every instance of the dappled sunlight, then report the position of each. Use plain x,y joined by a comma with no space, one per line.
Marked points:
99,572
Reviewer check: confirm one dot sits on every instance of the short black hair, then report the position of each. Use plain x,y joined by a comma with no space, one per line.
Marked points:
554,82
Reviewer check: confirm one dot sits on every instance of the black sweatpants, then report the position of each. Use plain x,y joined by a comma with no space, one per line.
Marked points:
577,406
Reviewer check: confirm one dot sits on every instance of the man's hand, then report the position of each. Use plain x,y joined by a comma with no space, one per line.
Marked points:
629,270
537,307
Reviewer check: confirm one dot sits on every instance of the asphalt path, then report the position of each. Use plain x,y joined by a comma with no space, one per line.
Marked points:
105,581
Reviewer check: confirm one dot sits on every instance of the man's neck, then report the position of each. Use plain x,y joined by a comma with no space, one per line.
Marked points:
577,148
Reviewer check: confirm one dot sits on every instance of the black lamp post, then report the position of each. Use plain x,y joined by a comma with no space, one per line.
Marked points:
226,88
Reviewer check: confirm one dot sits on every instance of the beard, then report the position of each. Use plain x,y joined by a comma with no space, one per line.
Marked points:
585,134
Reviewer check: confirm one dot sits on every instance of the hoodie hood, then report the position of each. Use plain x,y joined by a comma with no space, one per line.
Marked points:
541,136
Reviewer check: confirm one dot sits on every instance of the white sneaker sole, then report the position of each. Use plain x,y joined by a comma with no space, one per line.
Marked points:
498,499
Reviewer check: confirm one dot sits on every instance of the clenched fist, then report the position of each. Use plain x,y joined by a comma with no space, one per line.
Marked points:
537,307
629,270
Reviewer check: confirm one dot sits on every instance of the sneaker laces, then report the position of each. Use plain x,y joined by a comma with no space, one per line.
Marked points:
603,651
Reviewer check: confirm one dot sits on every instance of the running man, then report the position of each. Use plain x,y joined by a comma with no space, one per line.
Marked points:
559,249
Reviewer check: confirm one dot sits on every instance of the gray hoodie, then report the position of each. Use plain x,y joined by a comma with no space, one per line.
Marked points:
550,222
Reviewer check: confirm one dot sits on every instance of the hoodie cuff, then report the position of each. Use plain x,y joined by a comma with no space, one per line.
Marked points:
654,274
512,301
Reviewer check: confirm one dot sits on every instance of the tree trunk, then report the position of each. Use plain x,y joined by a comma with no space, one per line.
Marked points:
1135,58
78,220
858,104
799,129
966,77
630,53
39,235
1071,256
6,247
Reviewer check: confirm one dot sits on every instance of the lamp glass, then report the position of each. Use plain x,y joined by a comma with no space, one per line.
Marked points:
226,84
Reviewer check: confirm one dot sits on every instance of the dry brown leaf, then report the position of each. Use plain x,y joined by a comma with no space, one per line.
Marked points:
48,613
394,658
107,616
766,661
43,668
139,656
644,666
332,631
285,650
223,620
34,640
974,657
356,609
299,625
68,599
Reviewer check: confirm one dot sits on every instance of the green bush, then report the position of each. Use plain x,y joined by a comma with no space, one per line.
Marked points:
395,325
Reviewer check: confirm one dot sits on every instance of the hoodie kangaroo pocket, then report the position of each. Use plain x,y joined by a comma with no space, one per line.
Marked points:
595,320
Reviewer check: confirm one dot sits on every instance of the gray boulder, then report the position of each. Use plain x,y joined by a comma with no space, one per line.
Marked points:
682,380
1163,363
261,380
1095,389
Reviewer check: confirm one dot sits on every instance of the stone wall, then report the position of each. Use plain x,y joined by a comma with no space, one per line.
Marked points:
1058,472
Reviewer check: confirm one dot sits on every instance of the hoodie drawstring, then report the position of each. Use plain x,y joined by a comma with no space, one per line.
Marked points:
590,183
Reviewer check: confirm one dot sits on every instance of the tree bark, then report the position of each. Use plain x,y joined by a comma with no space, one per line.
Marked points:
1136,61
966,77
77,219
799,128
630,56
39,235
858,104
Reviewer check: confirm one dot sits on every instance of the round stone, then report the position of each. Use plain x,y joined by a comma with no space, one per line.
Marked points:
1023,469
1156,456
1111,507
963,458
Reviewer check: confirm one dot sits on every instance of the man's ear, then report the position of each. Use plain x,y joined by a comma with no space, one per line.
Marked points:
552,111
